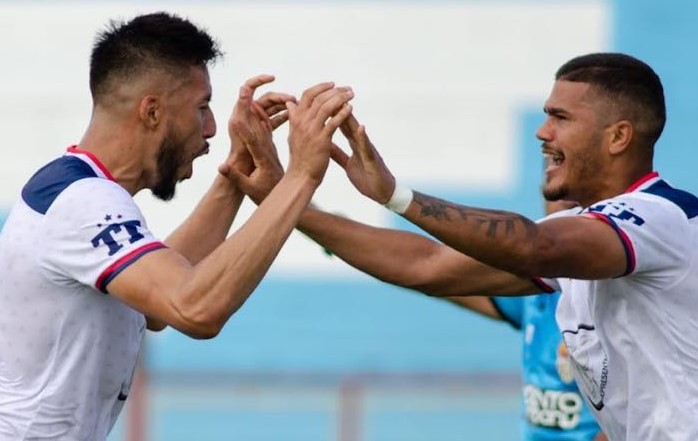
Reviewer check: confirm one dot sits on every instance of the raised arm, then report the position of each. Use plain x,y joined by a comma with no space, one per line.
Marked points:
413,261
397,257
199,299
208,225
408,259
577,247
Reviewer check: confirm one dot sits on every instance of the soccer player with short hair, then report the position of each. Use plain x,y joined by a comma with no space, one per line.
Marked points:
81,274
627,264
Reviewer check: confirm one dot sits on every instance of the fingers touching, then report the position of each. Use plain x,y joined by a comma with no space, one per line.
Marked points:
338,156
313,120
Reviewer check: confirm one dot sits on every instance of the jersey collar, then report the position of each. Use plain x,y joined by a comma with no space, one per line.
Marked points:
644,182
92,161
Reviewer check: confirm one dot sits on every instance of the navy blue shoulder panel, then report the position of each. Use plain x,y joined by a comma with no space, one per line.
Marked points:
44,187
685,200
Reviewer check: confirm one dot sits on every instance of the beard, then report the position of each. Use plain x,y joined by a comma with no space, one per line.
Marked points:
583,169
169,161
553,194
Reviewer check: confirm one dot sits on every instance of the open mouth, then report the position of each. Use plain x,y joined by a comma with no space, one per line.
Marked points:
203,151
553,159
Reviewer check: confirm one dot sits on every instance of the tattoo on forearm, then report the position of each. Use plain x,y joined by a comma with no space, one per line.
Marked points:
491,220
435,208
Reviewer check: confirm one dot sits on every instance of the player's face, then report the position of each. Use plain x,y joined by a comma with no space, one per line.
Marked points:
191,125
572,136
170,161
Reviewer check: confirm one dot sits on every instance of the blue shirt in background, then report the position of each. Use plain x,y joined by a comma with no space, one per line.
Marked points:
554,409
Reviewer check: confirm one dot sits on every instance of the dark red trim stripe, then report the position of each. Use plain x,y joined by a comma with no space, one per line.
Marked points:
543,286
625,240
98,163
124,262
642,180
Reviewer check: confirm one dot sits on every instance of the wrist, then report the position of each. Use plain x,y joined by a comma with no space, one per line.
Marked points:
400,200
224,187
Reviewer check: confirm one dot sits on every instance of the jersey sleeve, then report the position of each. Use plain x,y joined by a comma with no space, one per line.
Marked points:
94,231
510,308
653,230
550,285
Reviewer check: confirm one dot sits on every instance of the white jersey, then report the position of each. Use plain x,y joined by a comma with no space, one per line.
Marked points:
68,349
634,339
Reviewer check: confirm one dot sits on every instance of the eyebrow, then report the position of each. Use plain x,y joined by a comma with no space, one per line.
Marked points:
555,111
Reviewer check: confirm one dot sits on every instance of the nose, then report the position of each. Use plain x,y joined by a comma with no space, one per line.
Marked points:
545,132
209,124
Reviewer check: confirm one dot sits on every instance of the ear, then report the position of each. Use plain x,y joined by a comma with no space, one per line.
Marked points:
150,111
620,136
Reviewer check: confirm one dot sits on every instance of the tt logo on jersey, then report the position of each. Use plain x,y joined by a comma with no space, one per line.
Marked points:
111,232
618,210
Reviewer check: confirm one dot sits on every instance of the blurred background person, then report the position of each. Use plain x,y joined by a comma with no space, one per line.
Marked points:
554,410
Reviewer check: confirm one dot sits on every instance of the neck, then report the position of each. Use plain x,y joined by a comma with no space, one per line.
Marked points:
618,183
117,147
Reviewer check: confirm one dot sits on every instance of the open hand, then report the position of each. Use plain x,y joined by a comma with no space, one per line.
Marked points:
365,167
320,111
253,163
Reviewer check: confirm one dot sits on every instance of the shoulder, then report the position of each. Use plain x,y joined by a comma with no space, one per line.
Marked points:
685,201
657,203
68,178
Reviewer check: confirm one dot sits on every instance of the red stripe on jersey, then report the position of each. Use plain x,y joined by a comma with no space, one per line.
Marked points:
625,240
98,163
125,261
642,180
542,285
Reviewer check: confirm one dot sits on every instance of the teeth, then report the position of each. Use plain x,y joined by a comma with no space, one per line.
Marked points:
548,159
553,158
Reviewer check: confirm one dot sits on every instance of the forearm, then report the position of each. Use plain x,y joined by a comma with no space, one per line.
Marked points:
390,255
502,239
208,225
223,281
408,259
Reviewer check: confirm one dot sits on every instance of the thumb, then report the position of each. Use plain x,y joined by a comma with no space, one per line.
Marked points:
231,173
338,156
225,169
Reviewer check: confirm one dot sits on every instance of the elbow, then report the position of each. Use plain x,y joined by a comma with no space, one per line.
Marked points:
154,325
203,334
201,330
430,284
199,324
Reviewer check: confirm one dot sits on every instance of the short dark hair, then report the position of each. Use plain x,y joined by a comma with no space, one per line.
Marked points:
629,82
159,40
